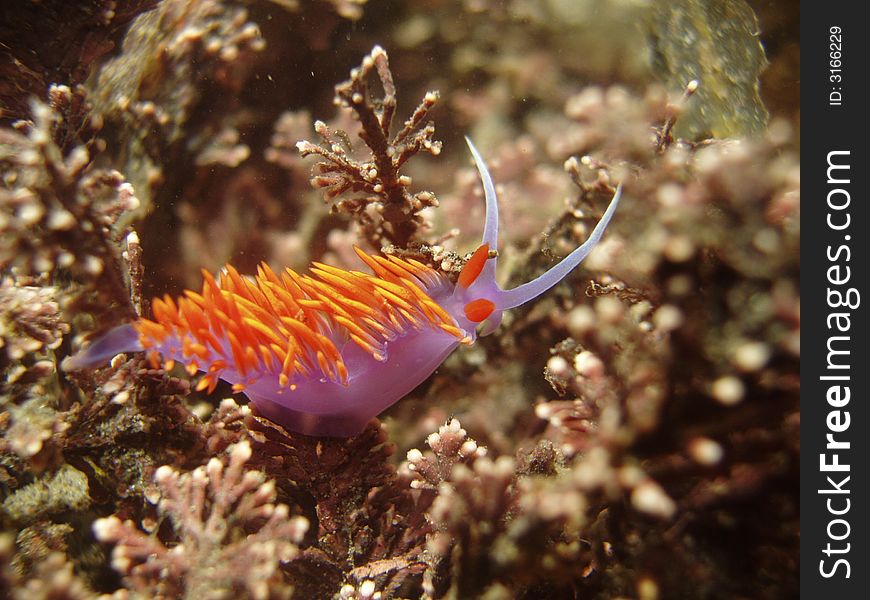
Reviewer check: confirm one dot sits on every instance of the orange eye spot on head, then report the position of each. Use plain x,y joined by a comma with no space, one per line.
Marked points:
473,267
478,310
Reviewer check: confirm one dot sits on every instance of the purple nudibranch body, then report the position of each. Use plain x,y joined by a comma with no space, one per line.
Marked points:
323,353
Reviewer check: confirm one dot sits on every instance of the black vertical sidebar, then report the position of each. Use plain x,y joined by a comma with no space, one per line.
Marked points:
835,362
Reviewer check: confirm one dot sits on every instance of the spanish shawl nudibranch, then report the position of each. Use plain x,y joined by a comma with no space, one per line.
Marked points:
322,354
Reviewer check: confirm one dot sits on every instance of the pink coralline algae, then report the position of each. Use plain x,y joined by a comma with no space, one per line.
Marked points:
232,534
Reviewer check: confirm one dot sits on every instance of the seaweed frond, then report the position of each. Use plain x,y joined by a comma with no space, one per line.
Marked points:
377,182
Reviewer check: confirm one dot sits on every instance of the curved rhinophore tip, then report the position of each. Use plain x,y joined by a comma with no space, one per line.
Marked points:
490,226
525,292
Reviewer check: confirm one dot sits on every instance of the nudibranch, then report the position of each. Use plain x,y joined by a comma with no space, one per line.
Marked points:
323,353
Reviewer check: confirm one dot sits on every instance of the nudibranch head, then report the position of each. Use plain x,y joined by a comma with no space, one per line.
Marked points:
325,352
477,293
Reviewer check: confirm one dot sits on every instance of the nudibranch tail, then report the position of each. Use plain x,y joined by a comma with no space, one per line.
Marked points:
123,338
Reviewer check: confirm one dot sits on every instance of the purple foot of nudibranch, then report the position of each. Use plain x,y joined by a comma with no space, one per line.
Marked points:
335,425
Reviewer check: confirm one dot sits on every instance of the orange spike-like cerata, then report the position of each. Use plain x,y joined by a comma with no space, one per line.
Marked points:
291,324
